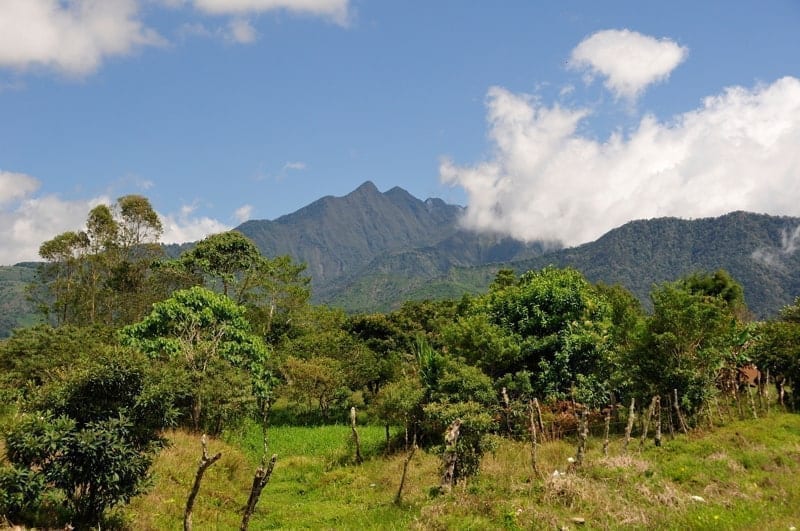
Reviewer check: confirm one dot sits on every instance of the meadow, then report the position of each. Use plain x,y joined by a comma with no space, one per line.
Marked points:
739,476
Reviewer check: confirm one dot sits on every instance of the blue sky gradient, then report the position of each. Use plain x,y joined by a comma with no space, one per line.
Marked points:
220,114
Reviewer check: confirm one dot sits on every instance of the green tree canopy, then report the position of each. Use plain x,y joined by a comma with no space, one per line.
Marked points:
208,332
102,274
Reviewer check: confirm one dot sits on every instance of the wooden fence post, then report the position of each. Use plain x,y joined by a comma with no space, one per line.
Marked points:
646,420
450,455
539,419
752,402
607,430
507,410
399,497
583,434
356,440
205,462
534,444
629,427
657,412
677,406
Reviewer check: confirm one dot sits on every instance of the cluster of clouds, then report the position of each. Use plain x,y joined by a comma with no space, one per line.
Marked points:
544,180
28,218
74,37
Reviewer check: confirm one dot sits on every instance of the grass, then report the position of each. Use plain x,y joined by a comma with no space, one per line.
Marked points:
744,472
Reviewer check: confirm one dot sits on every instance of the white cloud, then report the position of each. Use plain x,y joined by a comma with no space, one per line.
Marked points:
628,60
72,37
193,29
243,213
15,186
297,166
241,31
773,257
26,222
335,10
738,151
184,227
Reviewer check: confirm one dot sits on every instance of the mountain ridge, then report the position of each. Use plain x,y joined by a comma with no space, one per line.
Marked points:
370,250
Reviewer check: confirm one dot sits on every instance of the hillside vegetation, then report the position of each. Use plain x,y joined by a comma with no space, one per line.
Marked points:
531,403
370,251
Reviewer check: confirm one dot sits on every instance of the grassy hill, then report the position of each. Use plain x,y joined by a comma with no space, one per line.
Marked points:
744,472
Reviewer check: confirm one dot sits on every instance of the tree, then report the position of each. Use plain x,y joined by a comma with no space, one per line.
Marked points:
275,295
686,341
33,357
226,258
101,274
319,379
452,390
91,433
209,333
776,346
273,290
561,324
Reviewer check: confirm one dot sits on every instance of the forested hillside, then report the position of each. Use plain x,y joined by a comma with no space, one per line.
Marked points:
142,349
756,249
370,251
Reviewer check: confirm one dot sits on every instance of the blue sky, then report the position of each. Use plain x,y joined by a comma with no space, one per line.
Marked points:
557,120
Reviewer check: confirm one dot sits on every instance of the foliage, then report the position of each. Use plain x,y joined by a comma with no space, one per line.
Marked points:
102,274
561,325
90,434
453,390
318,380
15,308
210,334
20,492
34,356
776,346
685,342
96,467
273,290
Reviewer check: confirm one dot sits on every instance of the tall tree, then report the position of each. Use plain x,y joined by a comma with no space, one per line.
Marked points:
210,334
273,289
102,274
561,325
686,341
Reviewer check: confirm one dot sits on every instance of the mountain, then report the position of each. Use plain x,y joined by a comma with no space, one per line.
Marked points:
369,251
15,310
342,239
758,250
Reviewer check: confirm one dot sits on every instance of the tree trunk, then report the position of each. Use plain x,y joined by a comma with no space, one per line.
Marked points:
629,427
260,480
450,455
356,440
205,462
398,499
607,430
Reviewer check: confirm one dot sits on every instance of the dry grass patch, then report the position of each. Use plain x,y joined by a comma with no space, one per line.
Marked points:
222,496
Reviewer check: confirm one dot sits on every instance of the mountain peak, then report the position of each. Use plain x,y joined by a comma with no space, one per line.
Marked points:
367,187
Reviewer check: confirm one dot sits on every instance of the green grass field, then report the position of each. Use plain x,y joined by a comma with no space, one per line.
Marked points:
745,473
